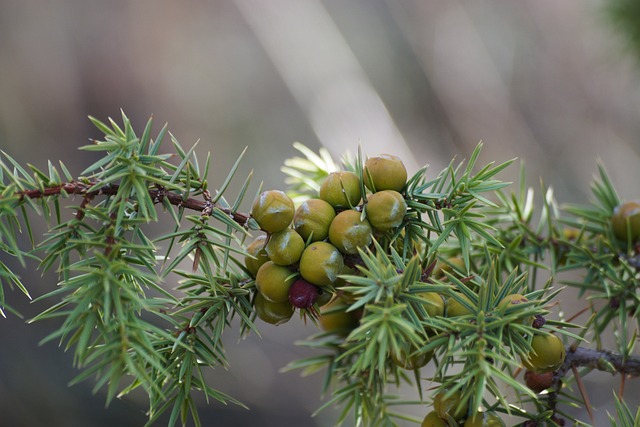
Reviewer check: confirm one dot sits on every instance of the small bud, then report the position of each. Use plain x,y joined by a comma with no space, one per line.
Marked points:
605,365
538,321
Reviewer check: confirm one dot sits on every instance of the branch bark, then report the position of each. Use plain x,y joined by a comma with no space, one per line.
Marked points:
79,188
602,360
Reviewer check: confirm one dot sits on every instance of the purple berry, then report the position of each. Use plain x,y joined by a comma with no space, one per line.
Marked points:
303,294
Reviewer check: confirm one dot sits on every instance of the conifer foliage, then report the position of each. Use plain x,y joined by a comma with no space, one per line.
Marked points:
449,281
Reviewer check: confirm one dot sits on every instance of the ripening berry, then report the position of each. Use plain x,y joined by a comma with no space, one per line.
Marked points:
385,172
273,282
538,382
285,247
626,221
348,232
258,255
386,209
321,263
273,210
303,294
341,190
547,354
275,313
313,218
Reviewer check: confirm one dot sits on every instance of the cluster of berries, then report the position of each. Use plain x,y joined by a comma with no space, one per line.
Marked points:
546,356
297,262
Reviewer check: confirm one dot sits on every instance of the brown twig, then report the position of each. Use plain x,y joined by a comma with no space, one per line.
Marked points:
157,195
601,360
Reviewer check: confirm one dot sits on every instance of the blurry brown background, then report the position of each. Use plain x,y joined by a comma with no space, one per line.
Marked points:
543,80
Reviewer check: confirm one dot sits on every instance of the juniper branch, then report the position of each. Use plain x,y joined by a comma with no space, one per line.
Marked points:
601,360
157,195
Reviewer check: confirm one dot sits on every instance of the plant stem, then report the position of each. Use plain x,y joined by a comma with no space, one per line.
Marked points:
158,194
601,360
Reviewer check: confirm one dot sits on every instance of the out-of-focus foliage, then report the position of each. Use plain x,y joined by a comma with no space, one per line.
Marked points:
625,20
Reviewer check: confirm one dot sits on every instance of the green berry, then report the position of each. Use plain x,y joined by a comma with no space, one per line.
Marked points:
324,298
275,313
570,233
313,218
321,263
484,419
547,354
411,362
258,255
626,221
335,319
446,404
455,308
348,232
433,420
386,209
385,172
450,265
273,210
285,247
434,303
514,300
273,281
341,190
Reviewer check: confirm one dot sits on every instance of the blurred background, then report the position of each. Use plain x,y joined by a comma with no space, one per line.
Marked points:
550,82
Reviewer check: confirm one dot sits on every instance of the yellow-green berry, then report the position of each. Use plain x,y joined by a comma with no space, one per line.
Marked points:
386,209
258,255
285,247
341,189
275,313
320,264
433,420
626,221
385,172
547,354
273,282
313,218
273,211
455,308
348,232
